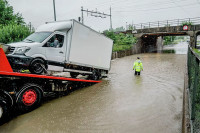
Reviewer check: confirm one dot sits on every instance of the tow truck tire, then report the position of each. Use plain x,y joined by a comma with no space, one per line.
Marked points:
74,74
37,66
3,109
29,98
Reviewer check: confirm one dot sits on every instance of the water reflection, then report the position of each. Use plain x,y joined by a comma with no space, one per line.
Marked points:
138,80
169,51
180,48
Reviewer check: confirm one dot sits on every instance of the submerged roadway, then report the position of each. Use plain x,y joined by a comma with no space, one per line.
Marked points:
121,103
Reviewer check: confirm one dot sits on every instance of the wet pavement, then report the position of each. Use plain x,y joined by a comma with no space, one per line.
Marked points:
122,103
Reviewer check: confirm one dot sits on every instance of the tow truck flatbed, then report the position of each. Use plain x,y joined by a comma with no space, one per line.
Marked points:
25,91
16,74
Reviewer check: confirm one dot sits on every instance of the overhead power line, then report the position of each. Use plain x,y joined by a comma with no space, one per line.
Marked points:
157,8
179,6
131,3
96,14
153,4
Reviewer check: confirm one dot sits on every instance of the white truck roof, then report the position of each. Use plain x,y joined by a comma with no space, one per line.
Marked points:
55,26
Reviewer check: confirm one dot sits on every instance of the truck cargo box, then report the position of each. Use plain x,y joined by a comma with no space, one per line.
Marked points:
89,48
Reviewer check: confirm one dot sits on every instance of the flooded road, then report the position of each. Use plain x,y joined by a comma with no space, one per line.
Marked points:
122,103
180,48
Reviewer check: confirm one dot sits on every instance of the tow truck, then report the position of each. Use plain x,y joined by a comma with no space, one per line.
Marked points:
24,91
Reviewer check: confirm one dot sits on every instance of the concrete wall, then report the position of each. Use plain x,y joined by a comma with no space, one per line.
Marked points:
144,45
123,53
159,44
134,50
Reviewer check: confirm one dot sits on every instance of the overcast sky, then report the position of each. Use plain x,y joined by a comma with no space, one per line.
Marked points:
131,11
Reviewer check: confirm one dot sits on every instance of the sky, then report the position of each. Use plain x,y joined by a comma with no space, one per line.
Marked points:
123,11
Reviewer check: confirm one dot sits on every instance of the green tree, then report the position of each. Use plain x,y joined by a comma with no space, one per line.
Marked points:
168,39
12,26
111,35
187,23
7,15
13,33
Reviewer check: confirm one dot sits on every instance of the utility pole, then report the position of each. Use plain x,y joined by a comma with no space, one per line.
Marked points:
97,14
110,19
30,26
54,10
82,15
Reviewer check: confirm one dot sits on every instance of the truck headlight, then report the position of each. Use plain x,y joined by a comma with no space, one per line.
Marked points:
21,50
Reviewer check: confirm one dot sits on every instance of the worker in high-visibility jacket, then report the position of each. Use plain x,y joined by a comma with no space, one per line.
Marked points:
138,66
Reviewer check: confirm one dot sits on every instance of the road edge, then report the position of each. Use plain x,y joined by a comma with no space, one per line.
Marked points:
186,116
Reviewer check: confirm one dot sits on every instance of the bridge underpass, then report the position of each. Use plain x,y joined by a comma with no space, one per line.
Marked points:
150,35
154,42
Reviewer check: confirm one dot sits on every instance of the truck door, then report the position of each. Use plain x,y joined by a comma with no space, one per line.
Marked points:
55,49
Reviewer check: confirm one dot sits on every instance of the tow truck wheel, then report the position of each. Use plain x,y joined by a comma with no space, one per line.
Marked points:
74,74
29,98
37,66
3,109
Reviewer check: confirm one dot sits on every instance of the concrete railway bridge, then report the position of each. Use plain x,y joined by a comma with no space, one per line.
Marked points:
150,35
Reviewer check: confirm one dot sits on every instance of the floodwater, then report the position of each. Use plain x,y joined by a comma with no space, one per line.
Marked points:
180,48
122,103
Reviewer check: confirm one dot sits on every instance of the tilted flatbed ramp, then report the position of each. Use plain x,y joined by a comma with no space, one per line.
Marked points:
15,74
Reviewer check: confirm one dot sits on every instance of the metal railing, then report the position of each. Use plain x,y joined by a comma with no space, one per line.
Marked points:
193,65
165,23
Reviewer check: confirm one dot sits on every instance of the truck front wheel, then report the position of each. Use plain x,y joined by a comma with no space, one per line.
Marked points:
29,98
95,76
37,66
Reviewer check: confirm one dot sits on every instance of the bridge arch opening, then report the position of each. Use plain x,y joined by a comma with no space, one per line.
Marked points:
198,41
157,42
149,38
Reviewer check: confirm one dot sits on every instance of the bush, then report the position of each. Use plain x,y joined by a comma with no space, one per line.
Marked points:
186,23
168,40
121,47
121,41
13,33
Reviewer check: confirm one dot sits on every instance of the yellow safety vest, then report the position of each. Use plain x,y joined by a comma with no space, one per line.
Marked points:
138,66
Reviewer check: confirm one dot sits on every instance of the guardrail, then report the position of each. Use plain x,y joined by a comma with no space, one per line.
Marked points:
193,65
165,23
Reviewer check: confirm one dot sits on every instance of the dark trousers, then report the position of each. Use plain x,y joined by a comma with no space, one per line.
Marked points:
137,73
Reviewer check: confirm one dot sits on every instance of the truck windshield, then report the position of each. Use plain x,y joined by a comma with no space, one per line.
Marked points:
37,37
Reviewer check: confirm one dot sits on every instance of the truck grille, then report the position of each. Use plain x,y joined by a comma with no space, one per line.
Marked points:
10,50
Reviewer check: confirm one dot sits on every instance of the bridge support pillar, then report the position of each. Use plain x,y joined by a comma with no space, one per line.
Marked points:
193,38
159,44
138,47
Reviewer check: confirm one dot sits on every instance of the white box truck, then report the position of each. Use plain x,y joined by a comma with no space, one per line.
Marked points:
63,46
